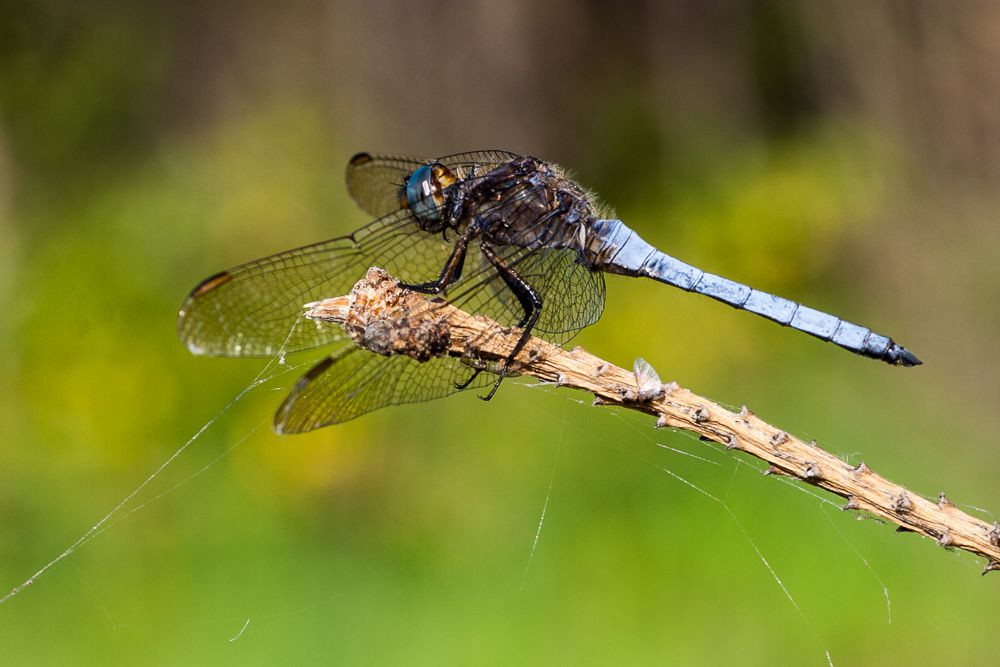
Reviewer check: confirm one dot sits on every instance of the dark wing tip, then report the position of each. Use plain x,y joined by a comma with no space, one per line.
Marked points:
360,159
210,283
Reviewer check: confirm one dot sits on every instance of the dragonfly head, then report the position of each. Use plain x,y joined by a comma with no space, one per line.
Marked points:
424,194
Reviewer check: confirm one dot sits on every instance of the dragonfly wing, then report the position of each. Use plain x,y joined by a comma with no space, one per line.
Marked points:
467,160
375,181
572,294
256,309
354,381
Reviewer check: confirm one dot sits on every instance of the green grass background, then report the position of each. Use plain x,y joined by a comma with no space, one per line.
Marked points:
406,537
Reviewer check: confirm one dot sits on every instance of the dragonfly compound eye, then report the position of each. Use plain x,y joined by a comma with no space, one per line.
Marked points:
425,192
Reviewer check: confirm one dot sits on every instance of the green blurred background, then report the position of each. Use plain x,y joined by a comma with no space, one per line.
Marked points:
847,156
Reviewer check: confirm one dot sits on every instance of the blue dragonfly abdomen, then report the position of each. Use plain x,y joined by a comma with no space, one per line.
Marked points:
615,248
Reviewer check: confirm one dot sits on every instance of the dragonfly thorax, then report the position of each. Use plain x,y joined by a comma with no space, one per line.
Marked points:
424,195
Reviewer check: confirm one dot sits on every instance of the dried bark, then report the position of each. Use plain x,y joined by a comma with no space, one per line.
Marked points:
451,331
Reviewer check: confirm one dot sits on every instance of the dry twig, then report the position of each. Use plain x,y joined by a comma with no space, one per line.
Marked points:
388,319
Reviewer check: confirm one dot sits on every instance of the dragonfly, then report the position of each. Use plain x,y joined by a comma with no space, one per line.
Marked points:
508,236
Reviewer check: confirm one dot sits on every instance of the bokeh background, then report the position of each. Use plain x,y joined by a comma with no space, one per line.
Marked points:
846,155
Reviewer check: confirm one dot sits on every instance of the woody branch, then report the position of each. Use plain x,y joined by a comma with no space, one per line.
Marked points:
388,319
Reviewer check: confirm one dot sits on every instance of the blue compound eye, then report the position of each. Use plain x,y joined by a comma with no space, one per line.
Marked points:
425,191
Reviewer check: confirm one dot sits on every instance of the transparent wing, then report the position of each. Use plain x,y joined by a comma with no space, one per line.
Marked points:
354,381
464,161
255,309
572,294
374,181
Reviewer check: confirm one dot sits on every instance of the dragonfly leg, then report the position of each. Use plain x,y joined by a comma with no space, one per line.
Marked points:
451,272
462,385
531,302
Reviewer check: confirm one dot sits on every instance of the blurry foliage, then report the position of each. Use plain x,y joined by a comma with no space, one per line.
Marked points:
145,146
80,85
775,214
780,68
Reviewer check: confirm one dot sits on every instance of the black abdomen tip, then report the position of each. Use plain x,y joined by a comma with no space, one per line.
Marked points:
900,356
